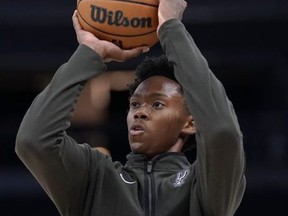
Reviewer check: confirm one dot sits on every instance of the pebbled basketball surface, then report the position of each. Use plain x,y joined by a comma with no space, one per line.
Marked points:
133,23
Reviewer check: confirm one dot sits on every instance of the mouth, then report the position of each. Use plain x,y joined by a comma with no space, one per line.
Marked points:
136,129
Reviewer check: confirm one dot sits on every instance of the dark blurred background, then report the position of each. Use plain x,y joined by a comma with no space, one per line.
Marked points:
245,43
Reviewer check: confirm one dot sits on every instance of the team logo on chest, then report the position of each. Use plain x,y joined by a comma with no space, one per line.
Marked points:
181,178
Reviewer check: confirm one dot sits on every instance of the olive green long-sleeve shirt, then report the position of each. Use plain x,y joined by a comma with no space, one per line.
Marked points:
81,181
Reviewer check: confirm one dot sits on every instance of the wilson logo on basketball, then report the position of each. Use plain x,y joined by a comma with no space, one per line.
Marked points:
117,18
125,23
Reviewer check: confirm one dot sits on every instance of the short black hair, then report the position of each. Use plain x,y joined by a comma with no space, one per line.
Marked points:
152,66
159,66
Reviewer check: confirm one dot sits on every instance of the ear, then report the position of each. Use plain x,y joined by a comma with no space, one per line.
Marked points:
189,127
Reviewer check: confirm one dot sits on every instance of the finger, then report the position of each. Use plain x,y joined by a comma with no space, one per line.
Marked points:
76,23
127,54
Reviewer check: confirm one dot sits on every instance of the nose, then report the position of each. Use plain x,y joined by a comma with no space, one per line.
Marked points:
141,113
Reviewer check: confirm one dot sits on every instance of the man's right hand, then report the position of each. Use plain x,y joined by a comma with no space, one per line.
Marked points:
107,50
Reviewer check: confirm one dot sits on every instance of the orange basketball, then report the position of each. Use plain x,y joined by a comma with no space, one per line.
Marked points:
126,23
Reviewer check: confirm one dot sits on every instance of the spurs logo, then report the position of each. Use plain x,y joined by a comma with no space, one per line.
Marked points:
180,178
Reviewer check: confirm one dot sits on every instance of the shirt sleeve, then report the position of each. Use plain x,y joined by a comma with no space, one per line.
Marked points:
59,163
220,162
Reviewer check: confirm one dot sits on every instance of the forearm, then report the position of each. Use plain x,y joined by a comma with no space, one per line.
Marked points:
204,93
49,114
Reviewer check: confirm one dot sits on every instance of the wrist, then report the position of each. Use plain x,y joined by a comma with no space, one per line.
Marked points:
100,50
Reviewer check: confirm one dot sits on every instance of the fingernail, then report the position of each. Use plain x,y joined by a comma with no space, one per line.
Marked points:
145,49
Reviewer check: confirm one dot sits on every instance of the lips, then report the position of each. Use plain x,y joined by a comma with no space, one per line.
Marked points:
136,129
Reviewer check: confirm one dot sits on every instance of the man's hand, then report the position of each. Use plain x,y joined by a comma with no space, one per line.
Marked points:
170,9
107,50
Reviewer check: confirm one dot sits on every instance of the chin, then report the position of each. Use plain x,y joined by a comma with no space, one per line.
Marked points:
137,147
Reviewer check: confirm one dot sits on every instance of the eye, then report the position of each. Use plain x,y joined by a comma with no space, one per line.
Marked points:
158,105
134,104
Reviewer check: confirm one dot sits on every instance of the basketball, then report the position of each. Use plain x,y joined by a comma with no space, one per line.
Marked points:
125,23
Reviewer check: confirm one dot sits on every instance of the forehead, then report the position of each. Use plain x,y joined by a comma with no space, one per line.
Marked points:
158,85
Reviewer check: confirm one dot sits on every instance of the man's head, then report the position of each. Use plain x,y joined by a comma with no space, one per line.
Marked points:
158,119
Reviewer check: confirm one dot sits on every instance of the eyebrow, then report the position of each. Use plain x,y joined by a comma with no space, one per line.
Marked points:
135,95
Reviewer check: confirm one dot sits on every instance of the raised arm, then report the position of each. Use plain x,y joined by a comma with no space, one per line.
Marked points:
42,144
220,160
58,162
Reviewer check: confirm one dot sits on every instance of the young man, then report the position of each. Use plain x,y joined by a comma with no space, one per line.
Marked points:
165,111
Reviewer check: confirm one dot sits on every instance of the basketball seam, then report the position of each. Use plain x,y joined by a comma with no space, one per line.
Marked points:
136,2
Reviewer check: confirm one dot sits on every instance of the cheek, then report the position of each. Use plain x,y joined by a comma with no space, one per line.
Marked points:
172,120
177,114
129,118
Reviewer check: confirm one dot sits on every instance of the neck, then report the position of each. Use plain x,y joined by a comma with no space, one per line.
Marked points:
177,147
